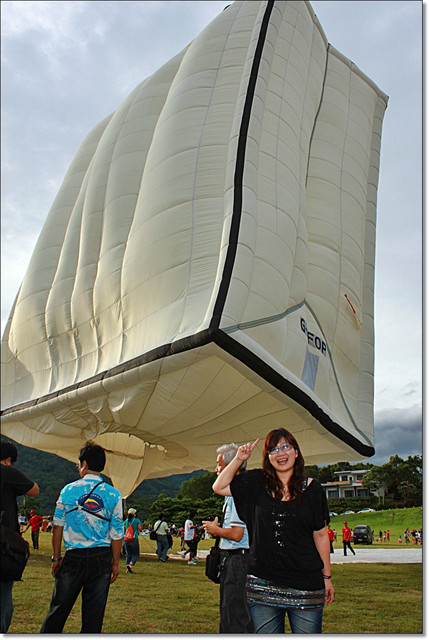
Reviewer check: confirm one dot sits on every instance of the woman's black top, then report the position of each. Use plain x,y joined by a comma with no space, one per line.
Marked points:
281,540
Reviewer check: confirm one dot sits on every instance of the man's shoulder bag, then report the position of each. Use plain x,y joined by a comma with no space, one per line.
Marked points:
152,535
15,552
214,564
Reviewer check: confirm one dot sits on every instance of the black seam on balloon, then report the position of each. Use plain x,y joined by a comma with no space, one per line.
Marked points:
274,378
239,172
234,348
163,351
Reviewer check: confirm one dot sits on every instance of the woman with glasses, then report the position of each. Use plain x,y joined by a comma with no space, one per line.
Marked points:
287,516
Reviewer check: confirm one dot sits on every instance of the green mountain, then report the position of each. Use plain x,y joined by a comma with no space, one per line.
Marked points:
52,472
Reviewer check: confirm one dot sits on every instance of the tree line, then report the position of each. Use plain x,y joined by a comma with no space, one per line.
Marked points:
402,481
176,496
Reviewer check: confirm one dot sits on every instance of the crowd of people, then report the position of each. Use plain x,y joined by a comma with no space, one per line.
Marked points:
415,535
275,539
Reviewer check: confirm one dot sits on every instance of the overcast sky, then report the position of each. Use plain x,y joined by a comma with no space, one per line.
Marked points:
66,65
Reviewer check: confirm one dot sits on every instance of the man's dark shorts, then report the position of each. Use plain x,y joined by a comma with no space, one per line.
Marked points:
192,544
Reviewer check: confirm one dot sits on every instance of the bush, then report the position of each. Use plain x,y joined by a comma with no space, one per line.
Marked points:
339,505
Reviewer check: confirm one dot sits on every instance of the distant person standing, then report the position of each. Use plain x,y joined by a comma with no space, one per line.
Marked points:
331,536
13,484
161,529
89,514
190,539
347,537
22,522
34,522
132,546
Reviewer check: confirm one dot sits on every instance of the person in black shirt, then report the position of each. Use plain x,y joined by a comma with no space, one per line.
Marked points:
13,483
286,515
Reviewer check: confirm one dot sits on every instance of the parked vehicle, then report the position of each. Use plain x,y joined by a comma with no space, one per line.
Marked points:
363,533
367,510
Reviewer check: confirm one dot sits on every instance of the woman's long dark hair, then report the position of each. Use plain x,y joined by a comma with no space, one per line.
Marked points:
270,479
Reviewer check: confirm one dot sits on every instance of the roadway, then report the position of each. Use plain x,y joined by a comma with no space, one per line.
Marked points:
372,554
363,554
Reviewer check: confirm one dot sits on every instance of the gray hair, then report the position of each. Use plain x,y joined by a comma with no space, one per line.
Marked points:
228,451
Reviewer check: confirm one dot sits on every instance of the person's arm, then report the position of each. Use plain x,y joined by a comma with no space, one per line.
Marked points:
116,534
116,552
229,533
33,491
57,537
224,479
321,540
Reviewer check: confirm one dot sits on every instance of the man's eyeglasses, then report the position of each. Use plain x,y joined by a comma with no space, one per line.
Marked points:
282,449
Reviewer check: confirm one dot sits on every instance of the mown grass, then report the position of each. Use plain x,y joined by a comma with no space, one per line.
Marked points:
396,520
176,598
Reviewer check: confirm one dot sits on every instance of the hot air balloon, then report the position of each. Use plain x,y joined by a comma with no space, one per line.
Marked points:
206,271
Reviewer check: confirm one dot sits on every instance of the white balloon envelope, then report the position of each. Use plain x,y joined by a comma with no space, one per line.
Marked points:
206,271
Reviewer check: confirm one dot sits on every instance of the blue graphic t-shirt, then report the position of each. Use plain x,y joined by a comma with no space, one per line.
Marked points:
83,530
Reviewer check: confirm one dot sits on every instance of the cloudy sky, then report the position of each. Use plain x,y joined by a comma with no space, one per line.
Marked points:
66,65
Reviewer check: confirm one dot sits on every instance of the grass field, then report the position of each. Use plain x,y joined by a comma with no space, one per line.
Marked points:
176,598
396,520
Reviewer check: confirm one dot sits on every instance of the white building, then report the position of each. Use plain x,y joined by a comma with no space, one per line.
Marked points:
348,485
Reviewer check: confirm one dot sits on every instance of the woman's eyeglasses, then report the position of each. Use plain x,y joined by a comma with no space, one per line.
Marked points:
282,449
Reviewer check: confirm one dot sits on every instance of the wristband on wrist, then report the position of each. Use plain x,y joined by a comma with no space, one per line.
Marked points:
53,559
326,577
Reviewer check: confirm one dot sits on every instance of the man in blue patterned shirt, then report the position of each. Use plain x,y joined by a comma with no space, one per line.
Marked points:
234,611
89,516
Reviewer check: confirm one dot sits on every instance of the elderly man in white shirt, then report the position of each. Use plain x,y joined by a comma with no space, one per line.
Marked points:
161,529
234,611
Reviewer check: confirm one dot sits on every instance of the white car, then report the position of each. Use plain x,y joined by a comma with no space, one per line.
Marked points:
367,510
346,513
332,514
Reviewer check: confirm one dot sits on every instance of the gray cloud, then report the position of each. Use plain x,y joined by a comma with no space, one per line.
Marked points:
398,431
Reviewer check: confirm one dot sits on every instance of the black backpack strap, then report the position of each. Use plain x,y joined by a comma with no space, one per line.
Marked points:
217,541
82,507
